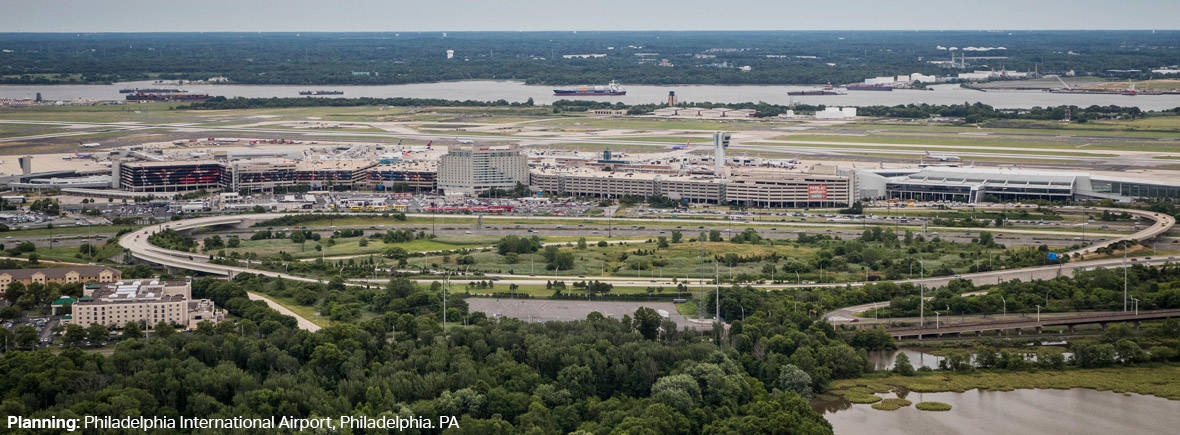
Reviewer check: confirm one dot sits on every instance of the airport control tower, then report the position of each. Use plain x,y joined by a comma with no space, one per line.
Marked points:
720,143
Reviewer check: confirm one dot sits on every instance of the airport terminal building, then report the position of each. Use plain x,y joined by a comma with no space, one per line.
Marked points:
957,184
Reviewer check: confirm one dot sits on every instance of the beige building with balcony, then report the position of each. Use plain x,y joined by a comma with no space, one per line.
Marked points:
60,275
114,304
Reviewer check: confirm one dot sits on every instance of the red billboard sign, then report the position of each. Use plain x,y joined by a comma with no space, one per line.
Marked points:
817,192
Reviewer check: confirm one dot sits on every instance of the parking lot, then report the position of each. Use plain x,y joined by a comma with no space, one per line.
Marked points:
539,310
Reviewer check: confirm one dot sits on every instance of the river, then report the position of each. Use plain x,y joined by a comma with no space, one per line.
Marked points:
884,359
1075,412
491,90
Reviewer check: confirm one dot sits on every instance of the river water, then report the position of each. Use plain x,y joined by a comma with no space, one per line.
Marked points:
883,359
1075,412
491,90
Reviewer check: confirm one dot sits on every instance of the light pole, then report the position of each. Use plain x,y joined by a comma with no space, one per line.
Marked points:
1005,304
1124,277
936,320
921,294
717,300
1038,314
1136,300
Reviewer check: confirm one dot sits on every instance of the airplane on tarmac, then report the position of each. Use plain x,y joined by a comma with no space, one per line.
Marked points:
943,157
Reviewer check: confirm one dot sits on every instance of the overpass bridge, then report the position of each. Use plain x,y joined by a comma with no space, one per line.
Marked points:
1101,318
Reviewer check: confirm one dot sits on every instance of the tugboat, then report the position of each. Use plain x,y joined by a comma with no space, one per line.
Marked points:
610,89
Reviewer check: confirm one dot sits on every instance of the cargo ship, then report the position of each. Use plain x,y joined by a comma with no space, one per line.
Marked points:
150,96
863,87
826,90
592,91
150,91
321,92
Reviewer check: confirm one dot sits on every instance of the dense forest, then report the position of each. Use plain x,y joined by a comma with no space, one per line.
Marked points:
600,375
550,57
972,113
638,374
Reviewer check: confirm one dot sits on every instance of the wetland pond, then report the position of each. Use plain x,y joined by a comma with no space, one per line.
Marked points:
1075,411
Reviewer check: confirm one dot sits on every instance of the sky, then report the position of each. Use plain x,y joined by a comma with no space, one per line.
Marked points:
524,15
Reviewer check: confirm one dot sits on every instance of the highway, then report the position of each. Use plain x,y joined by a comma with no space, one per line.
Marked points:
136,243
1082,318
1163,223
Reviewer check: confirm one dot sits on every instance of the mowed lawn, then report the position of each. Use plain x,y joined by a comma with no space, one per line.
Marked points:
690,260
958,142
351,246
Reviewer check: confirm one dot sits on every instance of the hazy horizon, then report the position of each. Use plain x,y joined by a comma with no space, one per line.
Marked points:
142,16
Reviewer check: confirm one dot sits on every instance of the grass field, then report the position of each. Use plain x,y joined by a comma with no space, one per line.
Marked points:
671,139
653,124
686,260
351,246
14,130
979,144
689,228
1152,85
1162,380
918,156
839,142
305,311
346,247
1160,126
61,231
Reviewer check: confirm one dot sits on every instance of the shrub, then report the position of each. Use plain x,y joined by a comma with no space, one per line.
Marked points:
892,404
933,406
856,396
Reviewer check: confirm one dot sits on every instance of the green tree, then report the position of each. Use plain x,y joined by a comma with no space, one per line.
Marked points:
1129,352
97,334
647,322
714,236
902,365
132,330
792,378
26,337
74,335
562,261
577,379
677,391
1094,355
163,330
